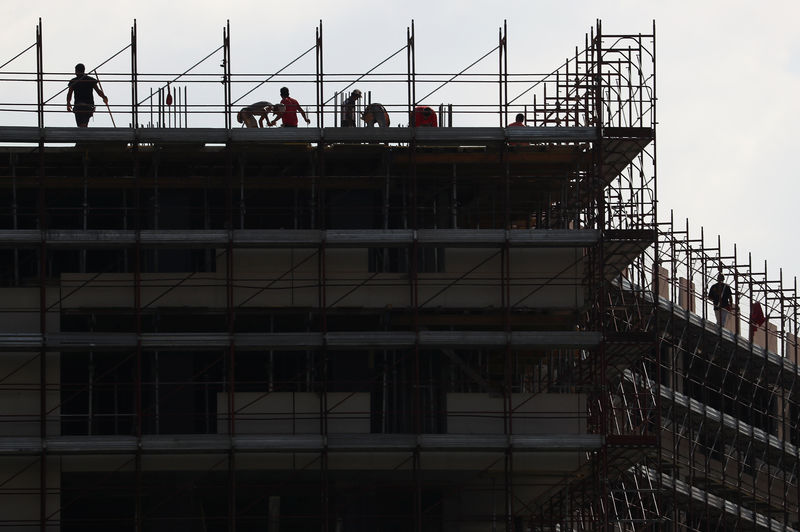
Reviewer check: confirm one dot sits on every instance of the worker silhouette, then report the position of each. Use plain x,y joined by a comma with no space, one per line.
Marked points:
721,297
247,115
349,109
288,113
424,116
83,86
519,121
375,113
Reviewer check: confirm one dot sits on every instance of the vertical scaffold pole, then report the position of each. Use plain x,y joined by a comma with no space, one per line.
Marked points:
505,298
320,84
42,287
322,304
505,73
39,77
226,76
134,80
229,304
42,294
411,79
598,273
137,305
502,76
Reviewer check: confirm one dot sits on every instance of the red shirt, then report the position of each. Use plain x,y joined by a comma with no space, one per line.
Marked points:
517,124
424,116
289,116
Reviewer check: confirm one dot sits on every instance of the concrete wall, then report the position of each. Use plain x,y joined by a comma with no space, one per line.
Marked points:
544,413
21,483
20,412
541,278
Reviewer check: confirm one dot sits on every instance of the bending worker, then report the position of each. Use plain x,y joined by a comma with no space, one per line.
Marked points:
375,113
248,114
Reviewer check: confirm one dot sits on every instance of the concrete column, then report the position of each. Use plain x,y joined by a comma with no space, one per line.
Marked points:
791,347
663,282
766,336
686,294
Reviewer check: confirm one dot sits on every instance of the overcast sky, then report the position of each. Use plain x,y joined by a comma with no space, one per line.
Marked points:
728,76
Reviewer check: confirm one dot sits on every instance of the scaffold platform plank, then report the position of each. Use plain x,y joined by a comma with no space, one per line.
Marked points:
443,135
176,238
83,341
222,443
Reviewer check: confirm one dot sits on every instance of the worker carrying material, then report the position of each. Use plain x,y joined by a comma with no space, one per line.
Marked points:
247,115
375,113
424,116
83,86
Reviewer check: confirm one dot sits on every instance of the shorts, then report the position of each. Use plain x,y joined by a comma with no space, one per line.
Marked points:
83,112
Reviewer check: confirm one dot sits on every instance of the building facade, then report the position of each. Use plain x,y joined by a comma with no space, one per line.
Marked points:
449,329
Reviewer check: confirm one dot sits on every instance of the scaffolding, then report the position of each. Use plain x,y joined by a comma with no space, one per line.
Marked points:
467,327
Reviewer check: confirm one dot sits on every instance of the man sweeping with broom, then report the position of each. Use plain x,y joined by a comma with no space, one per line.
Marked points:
83,85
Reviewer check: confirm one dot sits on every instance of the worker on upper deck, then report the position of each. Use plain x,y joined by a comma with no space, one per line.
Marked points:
248,114
519,121
349,109
424,116
375,113
83,86
288,114
721,297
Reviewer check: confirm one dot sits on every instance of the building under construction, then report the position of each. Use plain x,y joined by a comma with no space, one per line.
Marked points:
461,328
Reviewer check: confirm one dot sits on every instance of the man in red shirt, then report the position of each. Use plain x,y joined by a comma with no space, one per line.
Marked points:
289,115
520,121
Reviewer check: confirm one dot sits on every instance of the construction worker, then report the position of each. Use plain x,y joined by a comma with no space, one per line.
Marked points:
375,113
519,122
247,115
288,113
721,297
424,116
82,85
349,109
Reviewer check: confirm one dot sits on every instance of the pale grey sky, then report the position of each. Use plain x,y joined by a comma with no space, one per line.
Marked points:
728,75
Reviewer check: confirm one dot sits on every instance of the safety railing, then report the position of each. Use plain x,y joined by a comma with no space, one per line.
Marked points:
612,78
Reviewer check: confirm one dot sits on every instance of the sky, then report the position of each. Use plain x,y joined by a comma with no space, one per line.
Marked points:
728,76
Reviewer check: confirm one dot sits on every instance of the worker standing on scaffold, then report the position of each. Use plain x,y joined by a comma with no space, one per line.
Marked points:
721,297
83,85
349,109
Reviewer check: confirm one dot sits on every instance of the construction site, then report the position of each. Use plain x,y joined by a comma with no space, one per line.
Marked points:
468,327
